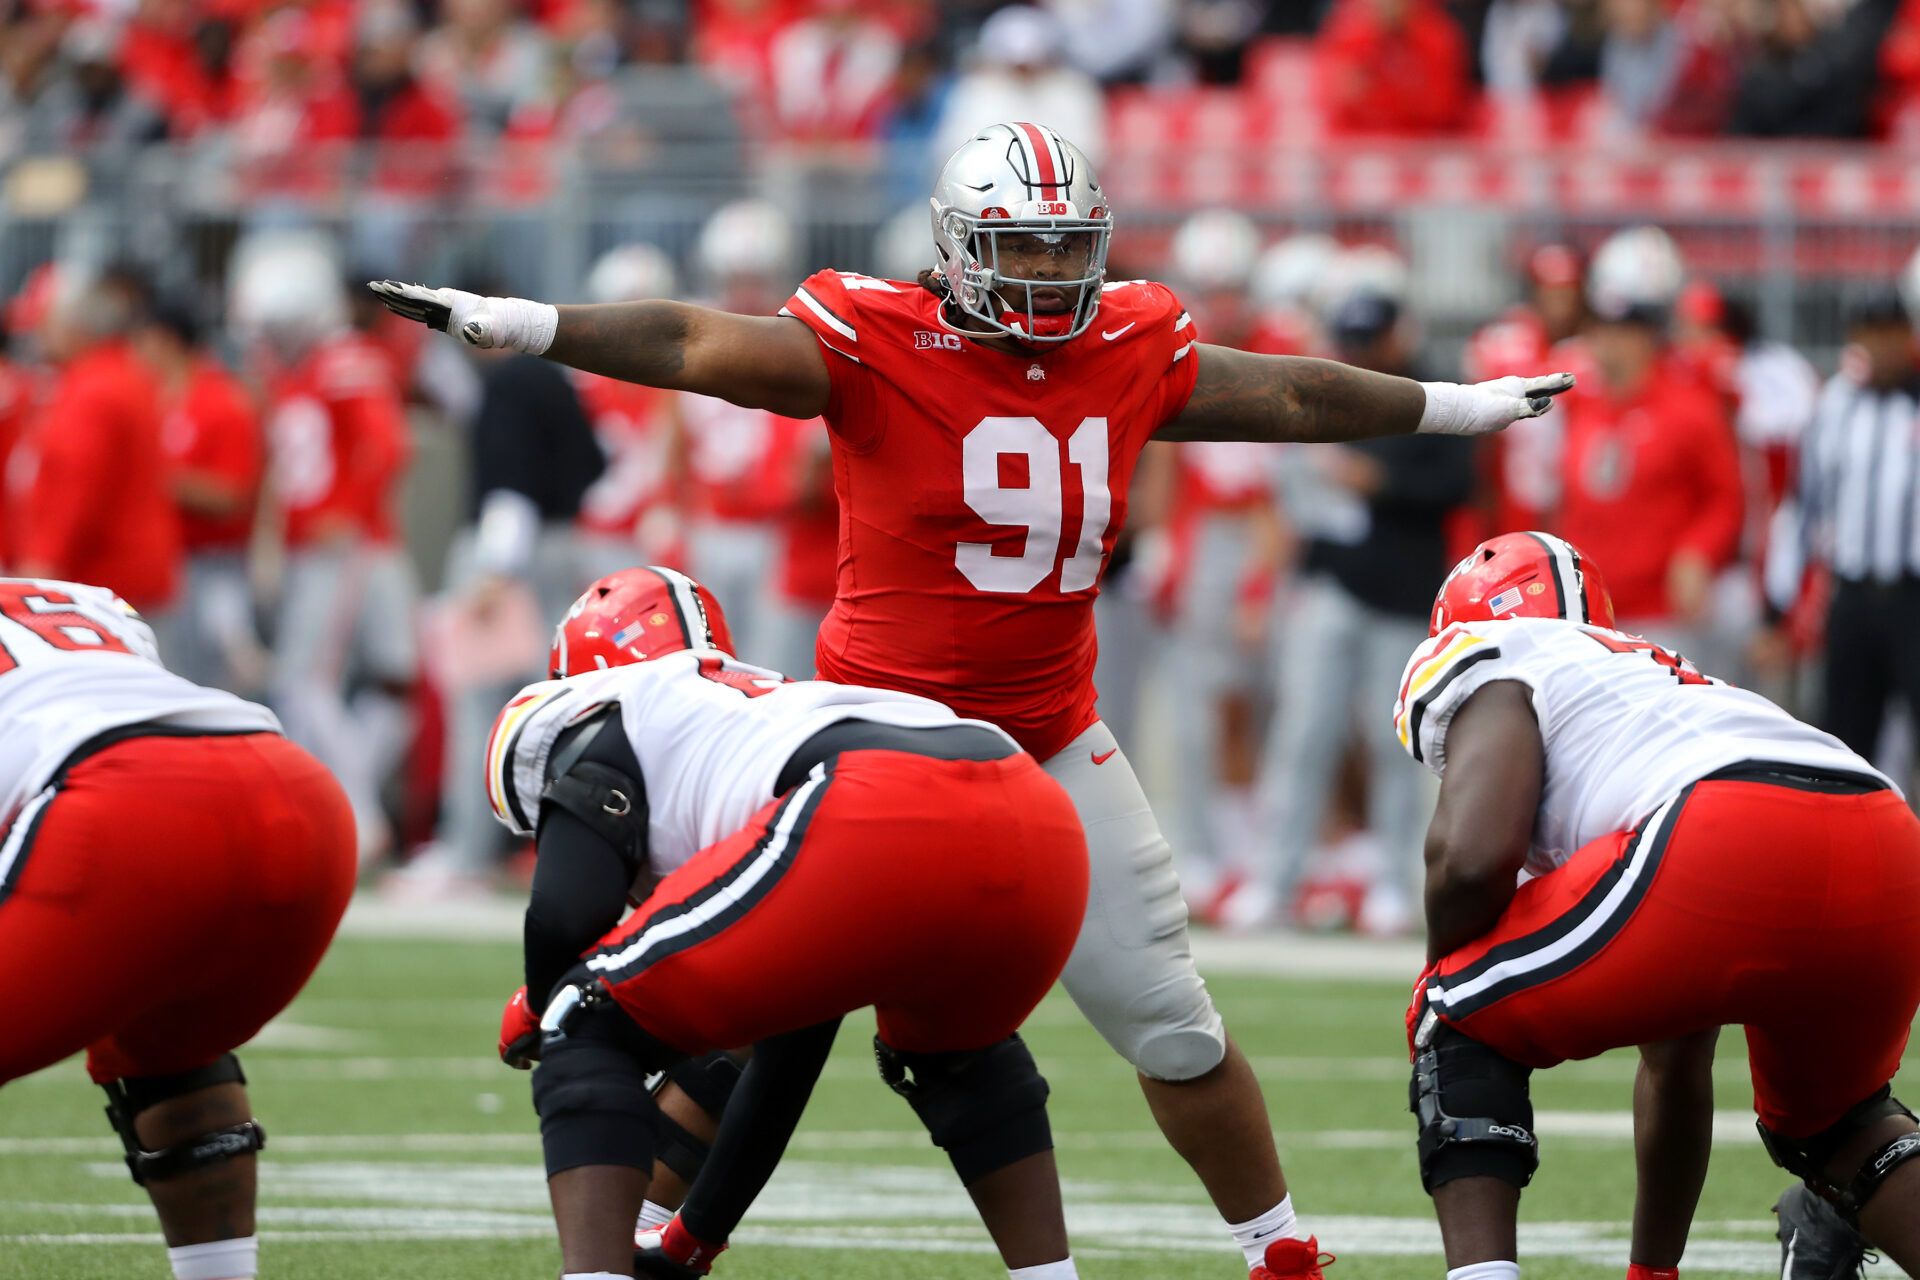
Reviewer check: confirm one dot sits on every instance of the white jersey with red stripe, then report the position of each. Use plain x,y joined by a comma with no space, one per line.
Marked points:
711,734
75,662
1626,724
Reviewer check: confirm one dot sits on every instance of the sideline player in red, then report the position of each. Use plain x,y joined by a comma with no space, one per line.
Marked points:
798,851
1700,858
985,425
171,871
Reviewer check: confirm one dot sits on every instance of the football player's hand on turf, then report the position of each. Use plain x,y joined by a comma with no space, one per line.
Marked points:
519,1033
1458,409
672,1253
514,324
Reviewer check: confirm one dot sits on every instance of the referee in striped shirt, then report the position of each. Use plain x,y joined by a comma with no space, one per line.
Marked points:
1857,510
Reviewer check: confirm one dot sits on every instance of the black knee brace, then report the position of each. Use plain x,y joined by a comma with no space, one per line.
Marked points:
1807,1158
126,1099
985,1109
590,1089
1476,1116
709,1081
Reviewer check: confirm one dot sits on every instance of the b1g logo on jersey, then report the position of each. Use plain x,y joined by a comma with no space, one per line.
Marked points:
927,340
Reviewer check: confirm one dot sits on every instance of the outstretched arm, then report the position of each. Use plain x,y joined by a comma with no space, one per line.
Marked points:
1672,1143
1239,395
759,362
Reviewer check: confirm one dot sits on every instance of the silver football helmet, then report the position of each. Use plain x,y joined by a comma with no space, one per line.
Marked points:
1022,192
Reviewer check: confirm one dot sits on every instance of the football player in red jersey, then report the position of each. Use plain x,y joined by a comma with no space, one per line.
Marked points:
986,421
1698,858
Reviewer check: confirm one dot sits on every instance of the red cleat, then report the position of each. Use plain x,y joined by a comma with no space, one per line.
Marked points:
1290,1259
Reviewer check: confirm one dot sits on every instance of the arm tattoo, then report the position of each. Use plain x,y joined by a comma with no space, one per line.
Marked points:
1242,396
643,342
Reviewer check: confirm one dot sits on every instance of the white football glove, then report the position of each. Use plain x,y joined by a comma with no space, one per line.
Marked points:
514,324
1455,409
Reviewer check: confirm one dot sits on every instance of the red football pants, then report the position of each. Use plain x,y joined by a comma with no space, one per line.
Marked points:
1793,913
172,896
947,894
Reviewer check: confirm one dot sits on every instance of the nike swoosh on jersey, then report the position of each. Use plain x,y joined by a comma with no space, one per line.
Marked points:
1098,758
1111,334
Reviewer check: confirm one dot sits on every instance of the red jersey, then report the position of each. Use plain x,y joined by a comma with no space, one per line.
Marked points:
94,506
1645,476
981,492
741,463
338,435
634,425
212,429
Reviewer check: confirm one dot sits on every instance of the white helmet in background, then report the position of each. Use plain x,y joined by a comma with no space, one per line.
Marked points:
631,272
1910,288
900,249
1294,273
284,288
1636,273
748,239
1369,268
1021,180
1214,251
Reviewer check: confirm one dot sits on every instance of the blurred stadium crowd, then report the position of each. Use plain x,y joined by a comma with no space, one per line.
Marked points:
373,530
261,74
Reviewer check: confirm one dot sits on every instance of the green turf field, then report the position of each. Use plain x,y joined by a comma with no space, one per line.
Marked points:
401,1148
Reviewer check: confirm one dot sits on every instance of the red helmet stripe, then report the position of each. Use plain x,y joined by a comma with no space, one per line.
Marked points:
1045,169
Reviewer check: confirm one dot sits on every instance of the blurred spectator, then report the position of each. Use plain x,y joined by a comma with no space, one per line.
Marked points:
489,59
1813,72
1111,40
1517,41
412,129
1017,74
88,107
741,465
345,652
1523,462
1286,290
1209,565
1650,477
911,130
630,513
808,576
1372,517
1640,59
20,391
297,117
1857,512
1214,35
516,569
88,479
179,56
1393,67
831,73
217,460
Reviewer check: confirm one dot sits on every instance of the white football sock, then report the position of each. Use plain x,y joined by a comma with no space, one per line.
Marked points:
597,1275
654,1215
1486,1271
1254,1235
1061,1270
217,1260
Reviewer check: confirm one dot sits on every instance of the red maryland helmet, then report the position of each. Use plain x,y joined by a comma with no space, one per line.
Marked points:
1522,575
634,615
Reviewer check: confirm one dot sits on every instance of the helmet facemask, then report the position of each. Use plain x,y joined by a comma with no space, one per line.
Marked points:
989,264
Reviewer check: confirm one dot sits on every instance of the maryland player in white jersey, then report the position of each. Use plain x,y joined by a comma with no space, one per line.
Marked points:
796,851
1699,858
171,871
